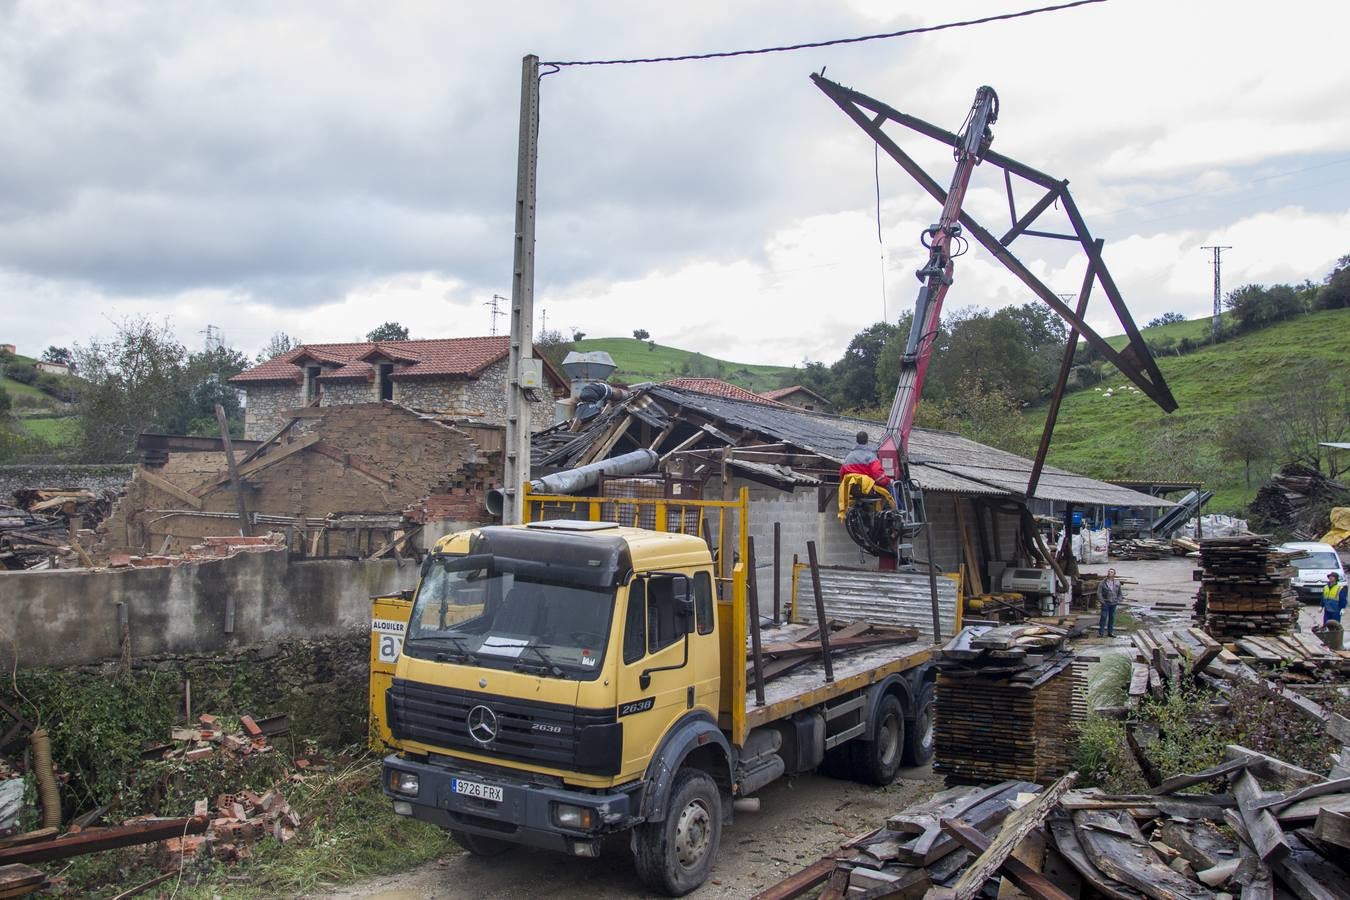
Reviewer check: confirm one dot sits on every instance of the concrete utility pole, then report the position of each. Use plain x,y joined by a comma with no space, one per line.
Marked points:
523,369
1214,326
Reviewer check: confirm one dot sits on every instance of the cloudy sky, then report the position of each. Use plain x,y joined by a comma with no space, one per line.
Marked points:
321,167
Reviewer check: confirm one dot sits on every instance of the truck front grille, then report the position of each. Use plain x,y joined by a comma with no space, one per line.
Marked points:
548,734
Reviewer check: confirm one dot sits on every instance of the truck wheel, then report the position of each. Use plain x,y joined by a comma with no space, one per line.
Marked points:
876,761
675,856
478,845
919,736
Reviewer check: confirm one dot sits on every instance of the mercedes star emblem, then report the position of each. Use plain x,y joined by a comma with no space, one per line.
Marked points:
482,724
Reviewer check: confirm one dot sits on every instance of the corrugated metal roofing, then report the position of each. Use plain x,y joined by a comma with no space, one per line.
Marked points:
943,461
883,598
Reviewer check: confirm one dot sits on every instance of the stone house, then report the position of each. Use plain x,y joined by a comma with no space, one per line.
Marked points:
460,377
801,397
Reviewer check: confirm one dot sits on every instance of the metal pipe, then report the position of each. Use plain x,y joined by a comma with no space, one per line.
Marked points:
573,480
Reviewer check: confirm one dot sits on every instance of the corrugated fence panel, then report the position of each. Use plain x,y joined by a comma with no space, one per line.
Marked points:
885,598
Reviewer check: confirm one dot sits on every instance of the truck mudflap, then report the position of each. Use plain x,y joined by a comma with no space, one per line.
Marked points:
507,809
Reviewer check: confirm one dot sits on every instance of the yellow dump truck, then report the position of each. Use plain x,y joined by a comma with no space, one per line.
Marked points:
570,678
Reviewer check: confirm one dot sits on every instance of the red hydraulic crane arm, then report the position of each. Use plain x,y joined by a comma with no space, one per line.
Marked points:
944,242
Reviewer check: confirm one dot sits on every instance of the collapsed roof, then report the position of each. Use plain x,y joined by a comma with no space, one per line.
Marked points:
668,418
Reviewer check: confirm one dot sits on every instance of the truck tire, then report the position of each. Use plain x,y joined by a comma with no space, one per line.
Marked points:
876,761
675,856
919,736
478,845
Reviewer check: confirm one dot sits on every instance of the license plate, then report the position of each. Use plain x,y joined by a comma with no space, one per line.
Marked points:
475,789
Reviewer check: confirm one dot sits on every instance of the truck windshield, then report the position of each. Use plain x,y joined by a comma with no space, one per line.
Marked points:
1316,560
510,614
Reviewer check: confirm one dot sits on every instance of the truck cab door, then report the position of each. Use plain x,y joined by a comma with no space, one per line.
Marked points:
657,670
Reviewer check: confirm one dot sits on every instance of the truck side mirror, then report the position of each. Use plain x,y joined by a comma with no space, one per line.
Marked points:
684,612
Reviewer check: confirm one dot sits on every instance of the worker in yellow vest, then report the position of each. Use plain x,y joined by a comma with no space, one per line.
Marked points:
1333,599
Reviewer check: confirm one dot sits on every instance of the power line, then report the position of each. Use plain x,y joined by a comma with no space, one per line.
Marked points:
815,44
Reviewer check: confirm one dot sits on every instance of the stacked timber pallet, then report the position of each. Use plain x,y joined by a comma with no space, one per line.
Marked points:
1005,699
1244,588
1141,548
1273,830
1296,657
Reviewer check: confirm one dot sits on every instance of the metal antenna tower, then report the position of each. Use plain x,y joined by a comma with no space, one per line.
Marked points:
214,340
495,304
1218,308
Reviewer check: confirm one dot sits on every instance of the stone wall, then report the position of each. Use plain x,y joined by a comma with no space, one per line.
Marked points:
344,393
268,407
430,394
70,617
488,394
96,478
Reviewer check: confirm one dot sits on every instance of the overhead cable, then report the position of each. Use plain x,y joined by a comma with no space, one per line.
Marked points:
831,43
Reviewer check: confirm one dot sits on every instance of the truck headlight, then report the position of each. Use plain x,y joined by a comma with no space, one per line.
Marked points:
403,782
578,817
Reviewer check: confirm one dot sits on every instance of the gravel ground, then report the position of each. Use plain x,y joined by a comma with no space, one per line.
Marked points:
800,819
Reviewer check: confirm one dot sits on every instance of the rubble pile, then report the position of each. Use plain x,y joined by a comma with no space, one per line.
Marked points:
1141,548
1296,499
1245,588
30,539
1272,829
1003,704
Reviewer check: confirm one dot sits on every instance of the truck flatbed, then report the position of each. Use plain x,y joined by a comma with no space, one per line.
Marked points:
806,686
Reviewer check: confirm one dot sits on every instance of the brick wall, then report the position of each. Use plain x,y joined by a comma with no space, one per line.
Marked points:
268,406
387,460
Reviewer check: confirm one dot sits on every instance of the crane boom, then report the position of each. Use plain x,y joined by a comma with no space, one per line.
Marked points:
935,278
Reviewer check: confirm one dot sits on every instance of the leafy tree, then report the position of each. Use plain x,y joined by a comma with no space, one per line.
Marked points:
552,345
641,334
1311,406
389,331
577,335
277,344
1166,318
143,379
1335,290
1245,437
855,373
988,413
1255,306
59,355
6,404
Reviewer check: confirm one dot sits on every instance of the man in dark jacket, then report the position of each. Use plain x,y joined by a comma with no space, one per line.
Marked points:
1109,592
862,460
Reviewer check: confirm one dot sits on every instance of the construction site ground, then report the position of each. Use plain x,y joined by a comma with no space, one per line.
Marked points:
800,819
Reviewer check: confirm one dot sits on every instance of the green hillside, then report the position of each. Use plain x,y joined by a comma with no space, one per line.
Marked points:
1126,436
637,362
1195,329
38,409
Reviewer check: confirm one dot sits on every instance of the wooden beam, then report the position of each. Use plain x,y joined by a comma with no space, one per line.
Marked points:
259,464
244,529
337,455
168,487
96,839
1267,838
1033,883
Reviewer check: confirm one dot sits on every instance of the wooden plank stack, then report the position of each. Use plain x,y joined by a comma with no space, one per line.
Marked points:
1244,588
1005,700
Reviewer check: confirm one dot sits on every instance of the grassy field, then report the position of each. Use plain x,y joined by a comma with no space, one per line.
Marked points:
1126,436
55,430
1195,329
638,362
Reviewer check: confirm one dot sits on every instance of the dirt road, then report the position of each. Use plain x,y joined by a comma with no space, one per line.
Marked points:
799,820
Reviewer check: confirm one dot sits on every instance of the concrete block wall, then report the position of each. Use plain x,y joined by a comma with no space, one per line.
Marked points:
70,617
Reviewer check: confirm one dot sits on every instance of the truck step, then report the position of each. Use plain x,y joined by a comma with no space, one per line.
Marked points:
848,706
835,740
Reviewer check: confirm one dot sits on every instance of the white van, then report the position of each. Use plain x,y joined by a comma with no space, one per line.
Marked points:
1313,568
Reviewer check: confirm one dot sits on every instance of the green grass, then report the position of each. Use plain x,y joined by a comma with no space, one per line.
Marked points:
637,362
348,832
1127,436
58,431
19,389
1195,329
